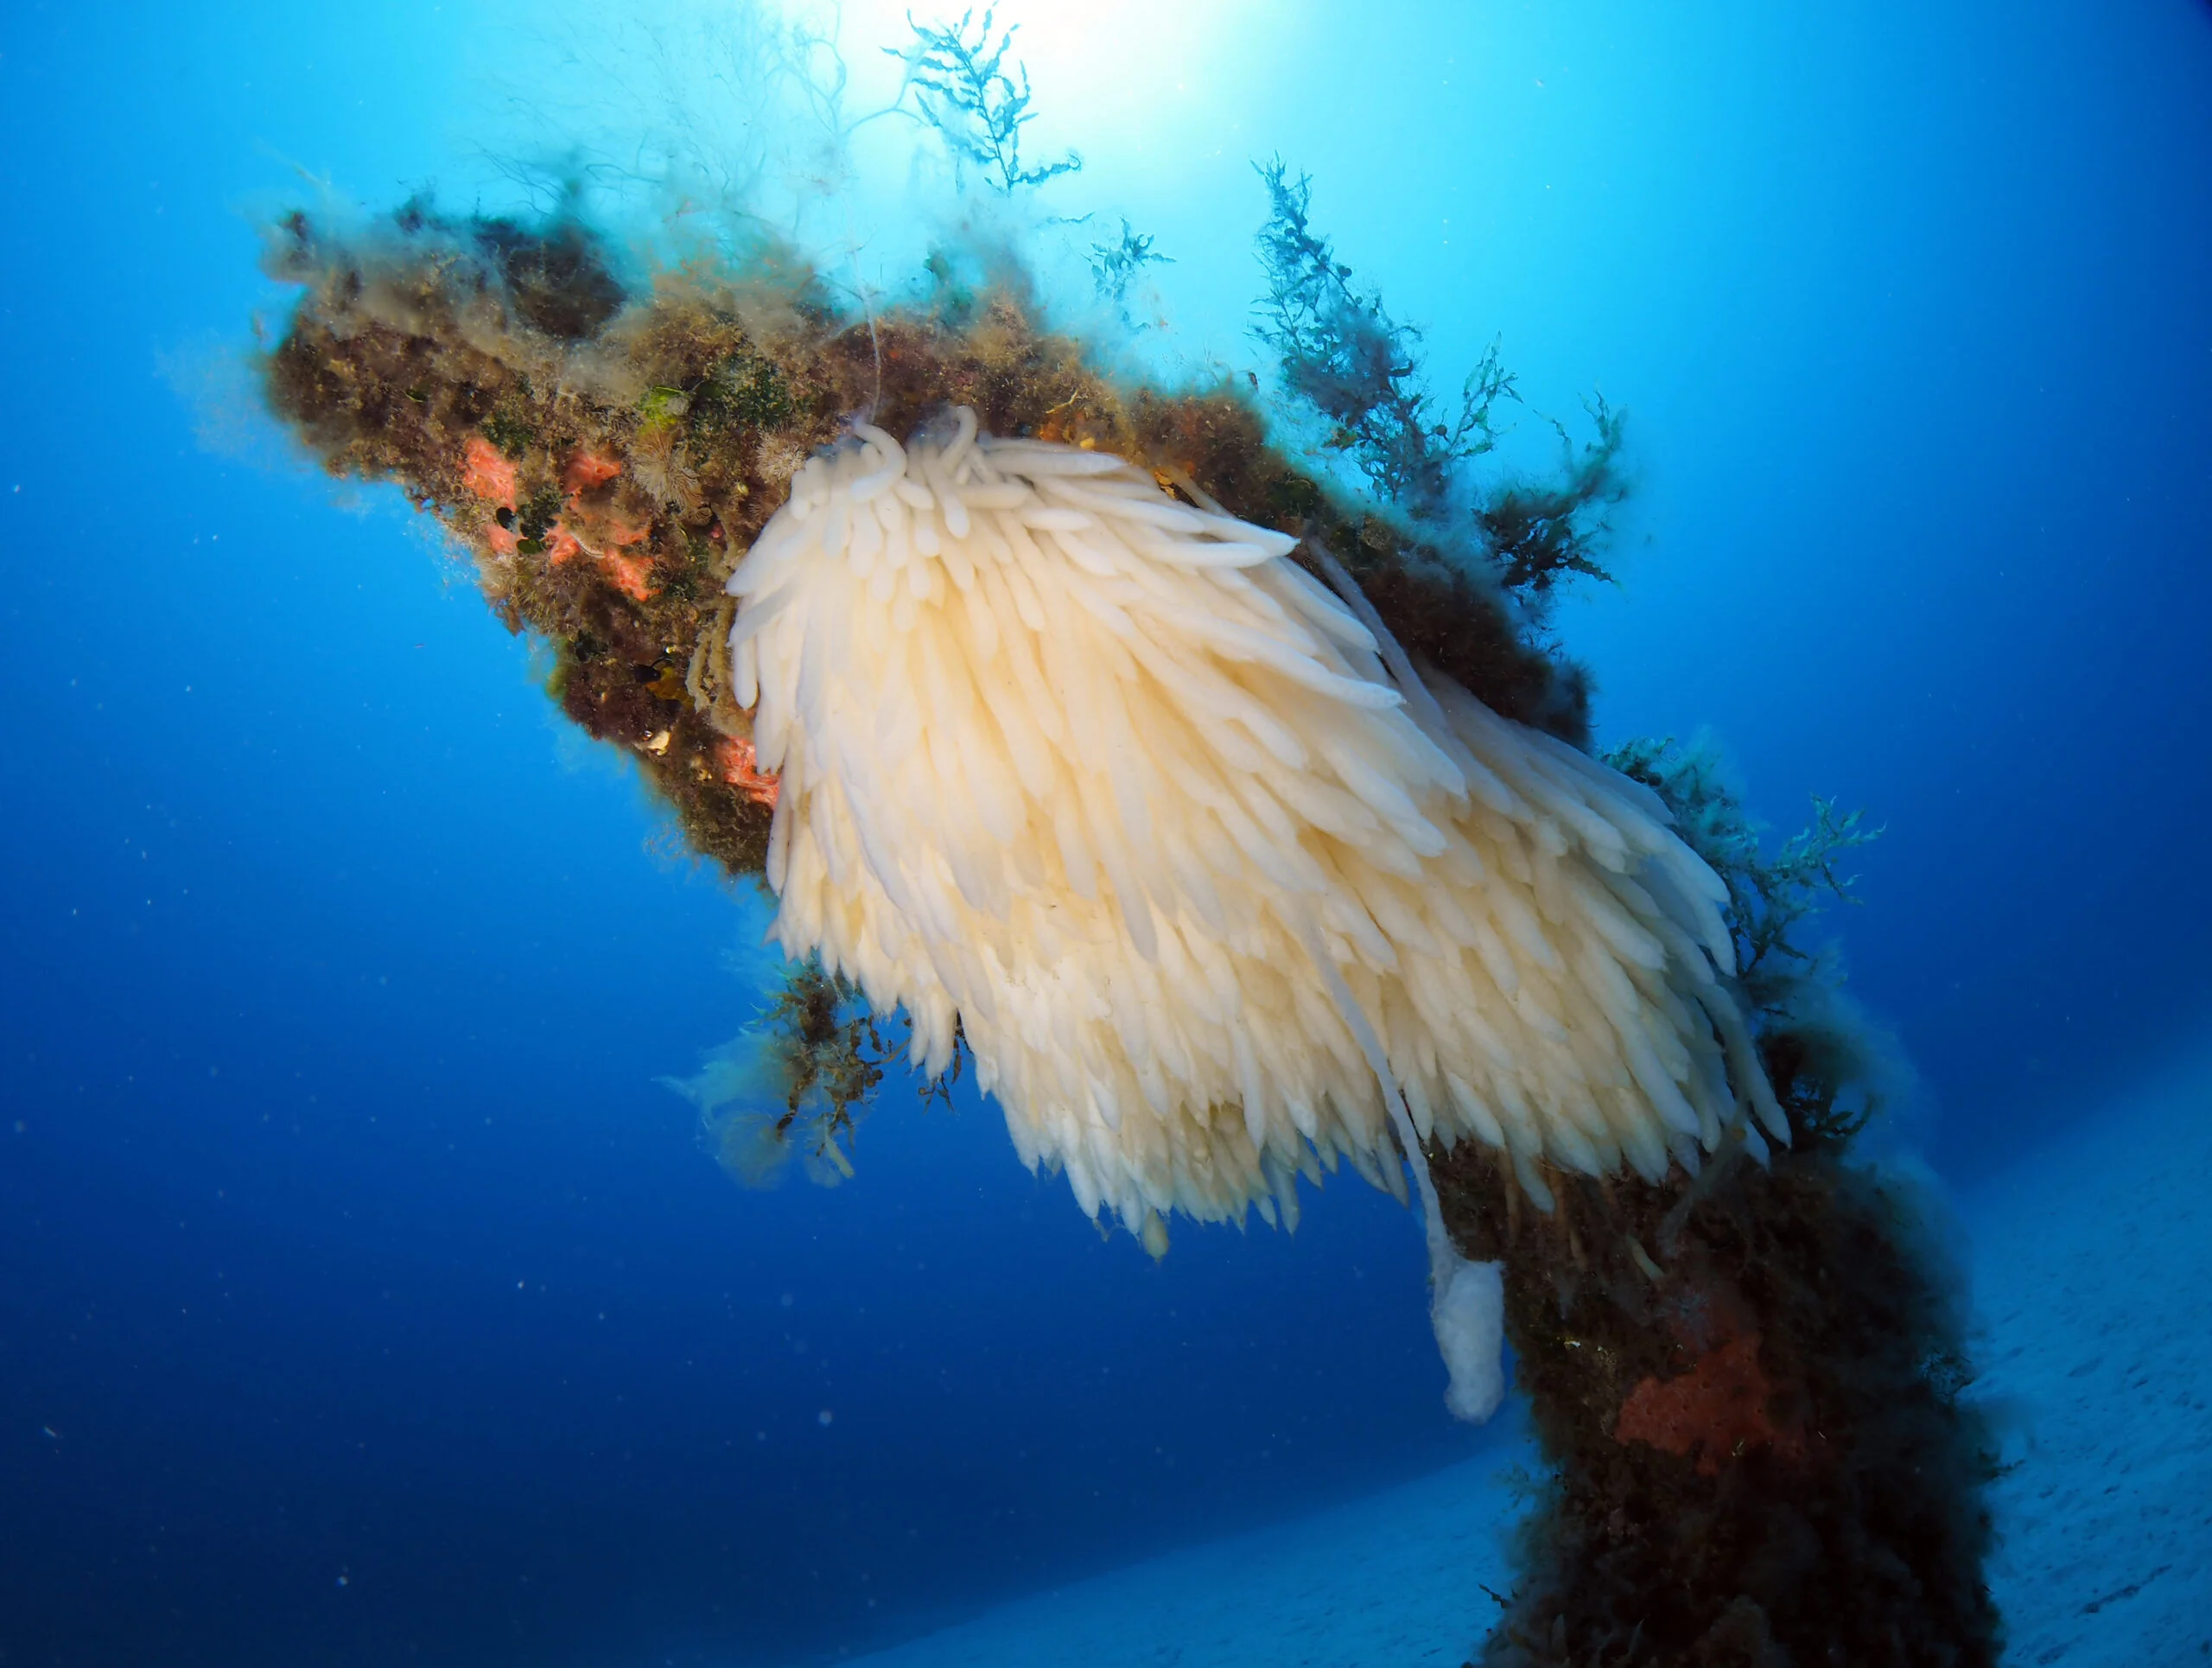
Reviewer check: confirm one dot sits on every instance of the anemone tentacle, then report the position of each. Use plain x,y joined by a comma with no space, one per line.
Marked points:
1164,825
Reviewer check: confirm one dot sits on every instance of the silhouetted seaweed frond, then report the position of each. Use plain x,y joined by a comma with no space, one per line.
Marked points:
1542,532
965,93
1344,355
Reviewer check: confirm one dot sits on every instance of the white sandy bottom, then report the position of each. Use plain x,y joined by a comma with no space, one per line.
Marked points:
2093,1271
1389,1580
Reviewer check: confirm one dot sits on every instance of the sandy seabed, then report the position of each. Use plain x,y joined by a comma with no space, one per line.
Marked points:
2092,1265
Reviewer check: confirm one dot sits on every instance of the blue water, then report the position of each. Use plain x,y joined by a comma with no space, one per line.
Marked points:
362,1298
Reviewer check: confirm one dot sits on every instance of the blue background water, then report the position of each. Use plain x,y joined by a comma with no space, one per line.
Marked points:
362,1299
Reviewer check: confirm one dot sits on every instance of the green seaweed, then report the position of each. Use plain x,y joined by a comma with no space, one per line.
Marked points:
745,391
510,431
1768,898
1828,1065
662,407
536,514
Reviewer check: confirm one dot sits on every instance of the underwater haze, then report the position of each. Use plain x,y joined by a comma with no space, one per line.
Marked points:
366,1296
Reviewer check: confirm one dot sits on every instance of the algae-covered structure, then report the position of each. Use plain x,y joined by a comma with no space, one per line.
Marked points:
1232,813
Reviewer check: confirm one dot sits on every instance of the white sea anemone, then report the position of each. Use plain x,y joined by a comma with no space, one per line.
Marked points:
1211,879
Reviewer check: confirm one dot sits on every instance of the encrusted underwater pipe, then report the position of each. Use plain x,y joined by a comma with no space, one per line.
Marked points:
1745,1387
1030,696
